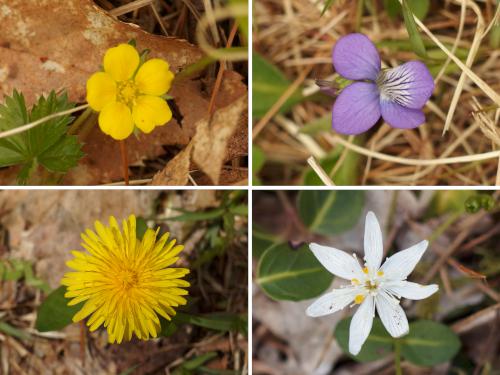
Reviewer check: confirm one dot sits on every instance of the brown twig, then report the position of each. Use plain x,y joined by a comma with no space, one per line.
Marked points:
220,73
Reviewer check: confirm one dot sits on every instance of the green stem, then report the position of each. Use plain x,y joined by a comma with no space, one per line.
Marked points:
445,225
397,357
359,14
73,129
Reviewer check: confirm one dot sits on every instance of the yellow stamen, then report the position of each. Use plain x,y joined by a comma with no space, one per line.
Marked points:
355,281
365,269
358,299
380,273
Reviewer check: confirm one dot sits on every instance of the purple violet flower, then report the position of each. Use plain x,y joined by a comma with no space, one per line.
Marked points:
397,94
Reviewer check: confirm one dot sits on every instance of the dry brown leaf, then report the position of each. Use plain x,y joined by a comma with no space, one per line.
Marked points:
51,44
210,140
176,173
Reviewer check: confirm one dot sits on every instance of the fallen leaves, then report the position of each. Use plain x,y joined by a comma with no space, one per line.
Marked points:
210,141
177,170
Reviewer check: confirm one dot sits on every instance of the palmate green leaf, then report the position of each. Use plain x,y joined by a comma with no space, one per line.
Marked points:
269,83
54,313
413,33
290,274
47,145
330,212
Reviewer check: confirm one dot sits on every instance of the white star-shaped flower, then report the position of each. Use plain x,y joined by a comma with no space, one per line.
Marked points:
371,285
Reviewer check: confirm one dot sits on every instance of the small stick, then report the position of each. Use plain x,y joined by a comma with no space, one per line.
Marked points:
123,151
320,171
220,73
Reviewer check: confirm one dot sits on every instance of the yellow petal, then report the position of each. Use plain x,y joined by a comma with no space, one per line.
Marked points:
116,120
101,90
150,111
121,62
154,77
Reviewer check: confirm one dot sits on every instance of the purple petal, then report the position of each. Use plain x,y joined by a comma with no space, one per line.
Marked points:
401,117
355,57
410,84
356,109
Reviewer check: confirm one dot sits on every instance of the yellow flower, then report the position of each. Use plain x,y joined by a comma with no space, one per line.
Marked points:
127,95
126,283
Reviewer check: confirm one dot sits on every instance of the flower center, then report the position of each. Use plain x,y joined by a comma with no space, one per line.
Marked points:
127,279
127,92
394,84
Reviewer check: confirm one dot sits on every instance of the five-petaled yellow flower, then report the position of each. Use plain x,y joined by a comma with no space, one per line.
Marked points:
128,95
125,283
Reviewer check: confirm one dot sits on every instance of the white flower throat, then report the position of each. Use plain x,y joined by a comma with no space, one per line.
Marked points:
394,84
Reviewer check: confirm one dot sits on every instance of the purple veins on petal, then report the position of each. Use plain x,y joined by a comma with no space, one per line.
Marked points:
401,117
356,109
355,57
409,85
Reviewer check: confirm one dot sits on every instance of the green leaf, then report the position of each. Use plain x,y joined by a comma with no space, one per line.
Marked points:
269,83
378,344
346,174
413,33
17,269
47,145
429,343
198,216
262,241
54,313
258,160
224,322
328,4
330,212
13,331
141,226
196,362
322,124
419,7
292,274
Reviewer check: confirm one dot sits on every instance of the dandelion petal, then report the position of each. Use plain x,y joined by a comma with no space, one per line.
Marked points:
356,109
400,117
410,84
355,57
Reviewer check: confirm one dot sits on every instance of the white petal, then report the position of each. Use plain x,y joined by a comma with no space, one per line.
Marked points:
374,246
361,325
331,302
392,315
337,262
401,264
407,289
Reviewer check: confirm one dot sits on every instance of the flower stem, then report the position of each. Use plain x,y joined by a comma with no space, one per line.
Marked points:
123,151
397,357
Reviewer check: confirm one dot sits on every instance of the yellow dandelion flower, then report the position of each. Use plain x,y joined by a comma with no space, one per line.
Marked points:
125,283
128,95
